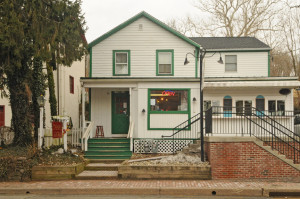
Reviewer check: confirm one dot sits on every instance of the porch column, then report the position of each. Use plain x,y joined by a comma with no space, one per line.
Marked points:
83,108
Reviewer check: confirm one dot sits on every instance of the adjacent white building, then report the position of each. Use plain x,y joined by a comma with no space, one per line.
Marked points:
68,95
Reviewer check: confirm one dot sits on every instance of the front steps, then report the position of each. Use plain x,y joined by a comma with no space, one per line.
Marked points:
108,149
100,170
105,155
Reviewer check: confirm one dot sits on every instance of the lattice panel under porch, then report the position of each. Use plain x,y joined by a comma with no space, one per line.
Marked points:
159,146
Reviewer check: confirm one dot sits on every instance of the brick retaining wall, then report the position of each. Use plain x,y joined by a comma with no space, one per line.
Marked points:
246,160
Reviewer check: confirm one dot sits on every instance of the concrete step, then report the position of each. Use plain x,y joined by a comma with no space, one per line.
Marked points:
97,175
100,157
102,167
107,161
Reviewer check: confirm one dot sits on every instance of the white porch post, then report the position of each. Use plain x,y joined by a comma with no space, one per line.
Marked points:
83,108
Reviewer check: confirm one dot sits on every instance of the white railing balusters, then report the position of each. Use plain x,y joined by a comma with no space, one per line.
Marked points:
86,135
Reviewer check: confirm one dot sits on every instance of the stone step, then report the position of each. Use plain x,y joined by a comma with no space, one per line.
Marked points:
102,167
107,161
97,175
120,157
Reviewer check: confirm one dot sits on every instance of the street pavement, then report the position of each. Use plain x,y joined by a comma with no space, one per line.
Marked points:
120,197
143,188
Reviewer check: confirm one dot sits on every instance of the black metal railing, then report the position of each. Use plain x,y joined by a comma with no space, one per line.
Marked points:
187,130
274,128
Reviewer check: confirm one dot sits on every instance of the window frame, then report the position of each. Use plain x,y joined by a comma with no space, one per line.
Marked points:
172,62
169,112
128,62
71,84
231,71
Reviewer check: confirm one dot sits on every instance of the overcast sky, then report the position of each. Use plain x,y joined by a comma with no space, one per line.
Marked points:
103,15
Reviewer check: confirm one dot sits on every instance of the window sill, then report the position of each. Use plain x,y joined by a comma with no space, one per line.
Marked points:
169,112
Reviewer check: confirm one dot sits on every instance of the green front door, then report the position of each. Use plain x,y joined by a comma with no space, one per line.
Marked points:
120,112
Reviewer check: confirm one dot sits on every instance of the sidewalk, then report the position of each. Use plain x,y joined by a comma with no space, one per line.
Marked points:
152,187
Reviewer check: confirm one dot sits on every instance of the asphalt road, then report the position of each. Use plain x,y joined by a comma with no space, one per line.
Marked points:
119,197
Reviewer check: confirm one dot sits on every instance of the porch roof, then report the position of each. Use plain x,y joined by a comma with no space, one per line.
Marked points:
280,82
210,82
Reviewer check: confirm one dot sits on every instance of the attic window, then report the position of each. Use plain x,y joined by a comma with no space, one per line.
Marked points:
140,26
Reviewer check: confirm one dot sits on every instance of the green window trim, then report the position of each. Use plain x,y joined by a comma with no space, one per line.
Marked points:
188,112
157,62
128,62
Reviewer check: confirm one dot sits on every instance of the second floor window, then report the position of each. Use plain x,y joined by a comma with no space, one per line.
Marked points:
230,63
164,62
121,62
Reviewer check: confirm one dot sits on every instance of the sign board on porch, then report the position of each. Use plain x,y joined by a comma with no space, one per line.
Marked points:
57,129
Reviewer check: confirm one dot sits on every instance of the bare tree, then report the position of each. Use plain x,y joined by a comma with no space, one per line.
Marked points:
236,18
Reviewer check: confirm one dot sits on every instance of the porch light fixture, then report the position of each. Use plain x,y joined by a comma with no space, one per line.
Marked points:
41,101
201,54
143,111
220,60
194,99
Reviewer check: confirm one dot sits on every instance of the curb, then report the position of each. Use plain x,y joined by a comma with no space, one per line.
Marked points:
139,191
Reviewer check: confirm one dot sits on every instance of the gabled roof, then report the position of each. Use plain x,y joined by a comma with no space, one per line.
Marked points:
136,17
230,43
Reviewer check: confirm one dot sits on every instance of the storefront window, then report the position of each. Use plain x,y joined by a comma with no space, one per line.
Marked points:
169,100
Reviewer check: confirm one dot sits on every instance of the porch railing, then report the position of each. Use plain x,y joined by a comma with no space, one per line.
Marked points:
275,129
73,138
86,135
187,130
130,134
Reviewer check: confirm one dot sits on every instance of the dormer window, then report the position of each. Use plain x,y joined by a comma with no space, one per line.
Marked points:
230,63
121,62
164,62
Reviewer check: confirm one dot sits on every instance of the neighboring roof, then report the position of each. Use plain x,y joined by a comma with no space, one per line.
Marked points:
230,43
136,17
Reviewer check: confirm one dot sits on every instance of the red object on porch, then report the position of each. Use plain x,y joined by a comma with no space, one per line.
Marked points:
99,132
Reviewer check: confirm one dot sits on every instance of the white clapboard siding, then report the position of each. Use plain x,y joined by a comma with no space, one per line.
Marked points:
142,45
166,120
249,64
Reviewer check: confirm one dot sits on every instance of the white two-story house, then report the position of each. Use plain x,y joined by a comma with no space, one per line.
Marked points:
138,76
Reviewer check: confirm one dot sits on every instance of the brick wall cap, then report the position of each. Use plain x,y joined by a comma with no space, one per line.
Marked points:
229,139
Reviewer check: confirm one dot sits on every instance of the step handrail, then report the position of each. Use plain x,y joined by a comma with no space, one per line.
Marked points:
85,137
130,134
273,135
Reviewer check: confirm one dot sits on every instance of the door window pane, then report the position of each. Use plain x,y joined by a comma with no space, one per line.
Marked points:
272,107
280,107
248,107
239,107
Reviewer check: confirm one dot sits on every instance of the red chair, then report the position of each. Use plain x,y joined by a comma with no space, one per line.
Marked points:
99,132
